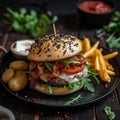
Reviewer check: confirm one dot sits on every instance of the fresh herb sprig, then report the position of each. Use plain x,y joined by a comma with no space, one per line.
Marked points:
86,82
48,65
94,74
50,89
68,62
24,22
74,85
88,85
72,100
113,41
113,28
114,25
109,113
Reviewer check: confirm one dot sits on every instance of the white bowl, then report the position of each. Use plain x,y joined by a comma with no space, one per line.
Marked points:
20,48
6,114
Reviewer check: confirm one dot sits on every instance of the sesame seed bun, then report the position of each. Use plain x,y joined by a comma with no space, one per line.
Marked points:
52,48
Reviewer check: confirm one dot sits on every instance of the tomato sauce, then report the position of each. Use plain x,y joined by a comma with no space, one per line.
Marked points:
95,7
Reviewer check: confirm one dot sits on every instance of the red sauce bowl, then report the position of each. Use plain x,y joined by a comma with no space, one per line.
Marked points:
95,13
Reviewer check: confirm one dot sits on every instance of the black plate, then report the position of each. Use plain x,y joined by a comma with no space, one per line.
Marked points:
35,98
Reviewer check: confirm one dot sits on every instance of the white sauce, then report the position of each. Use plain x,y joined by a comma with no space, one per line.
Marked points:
23,46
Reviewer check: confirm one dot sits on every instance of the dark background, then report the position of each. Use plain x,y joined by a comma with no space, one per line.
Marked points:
55,6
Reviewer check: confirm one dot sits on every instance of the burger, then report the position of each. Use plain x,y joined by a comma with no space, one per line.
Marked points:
56,64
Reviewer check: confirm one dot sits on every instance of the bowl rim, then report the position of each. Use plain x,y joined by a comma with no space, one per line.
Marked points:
17,52
93,13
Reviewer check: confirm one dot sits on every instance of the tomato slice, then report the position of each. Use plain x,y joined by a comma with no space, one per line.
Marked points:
73,69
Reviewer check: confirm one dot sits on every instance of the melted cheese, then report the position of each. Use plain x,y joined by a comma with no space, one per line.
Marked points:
74,77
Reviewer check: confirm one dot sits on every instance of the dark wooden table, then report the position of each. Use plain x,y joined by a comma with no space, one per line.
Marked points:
68,24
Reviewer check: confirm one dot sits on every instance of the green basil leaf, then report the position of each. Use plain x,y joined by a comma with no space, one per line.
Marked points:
23,11
55,18
68,62
48,65
50,89
88,85
73,100
74,85
110,115
29,22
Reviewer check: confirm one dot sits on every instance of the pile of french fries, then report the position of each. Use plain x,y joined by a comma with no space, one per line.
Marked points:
97,60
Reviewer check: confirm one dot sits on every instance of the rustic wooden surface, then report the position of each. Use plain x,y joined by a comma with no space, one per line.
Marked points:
68,25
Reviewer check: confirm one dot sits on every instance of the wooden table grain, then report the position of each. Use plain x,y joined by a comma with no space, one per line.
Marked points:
68,24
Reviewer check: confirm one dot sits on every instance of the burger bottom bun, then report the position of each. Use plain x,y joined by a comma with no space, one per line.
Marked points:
56,90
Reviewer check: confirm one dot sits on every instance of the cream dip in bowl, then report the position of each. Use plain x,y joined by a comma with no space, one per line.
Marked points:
20,48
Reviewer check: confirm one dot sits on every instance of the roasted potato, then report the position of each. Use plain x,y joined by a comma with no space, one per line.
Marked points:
18,65
7,75
18,82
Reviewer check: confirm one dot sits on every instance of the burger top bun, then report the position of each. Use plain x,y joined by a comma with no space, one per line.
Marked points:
51,48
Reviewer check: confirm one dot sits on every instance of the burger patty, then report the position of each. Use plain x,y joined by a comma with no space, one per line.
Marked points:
57,82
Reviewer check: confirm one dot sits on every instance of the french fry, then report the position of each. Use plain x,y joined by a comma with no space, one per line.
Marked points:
103,70
104,76
91,50
97,60
110,55
101,49
111,73
97,65
108,66
86,44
